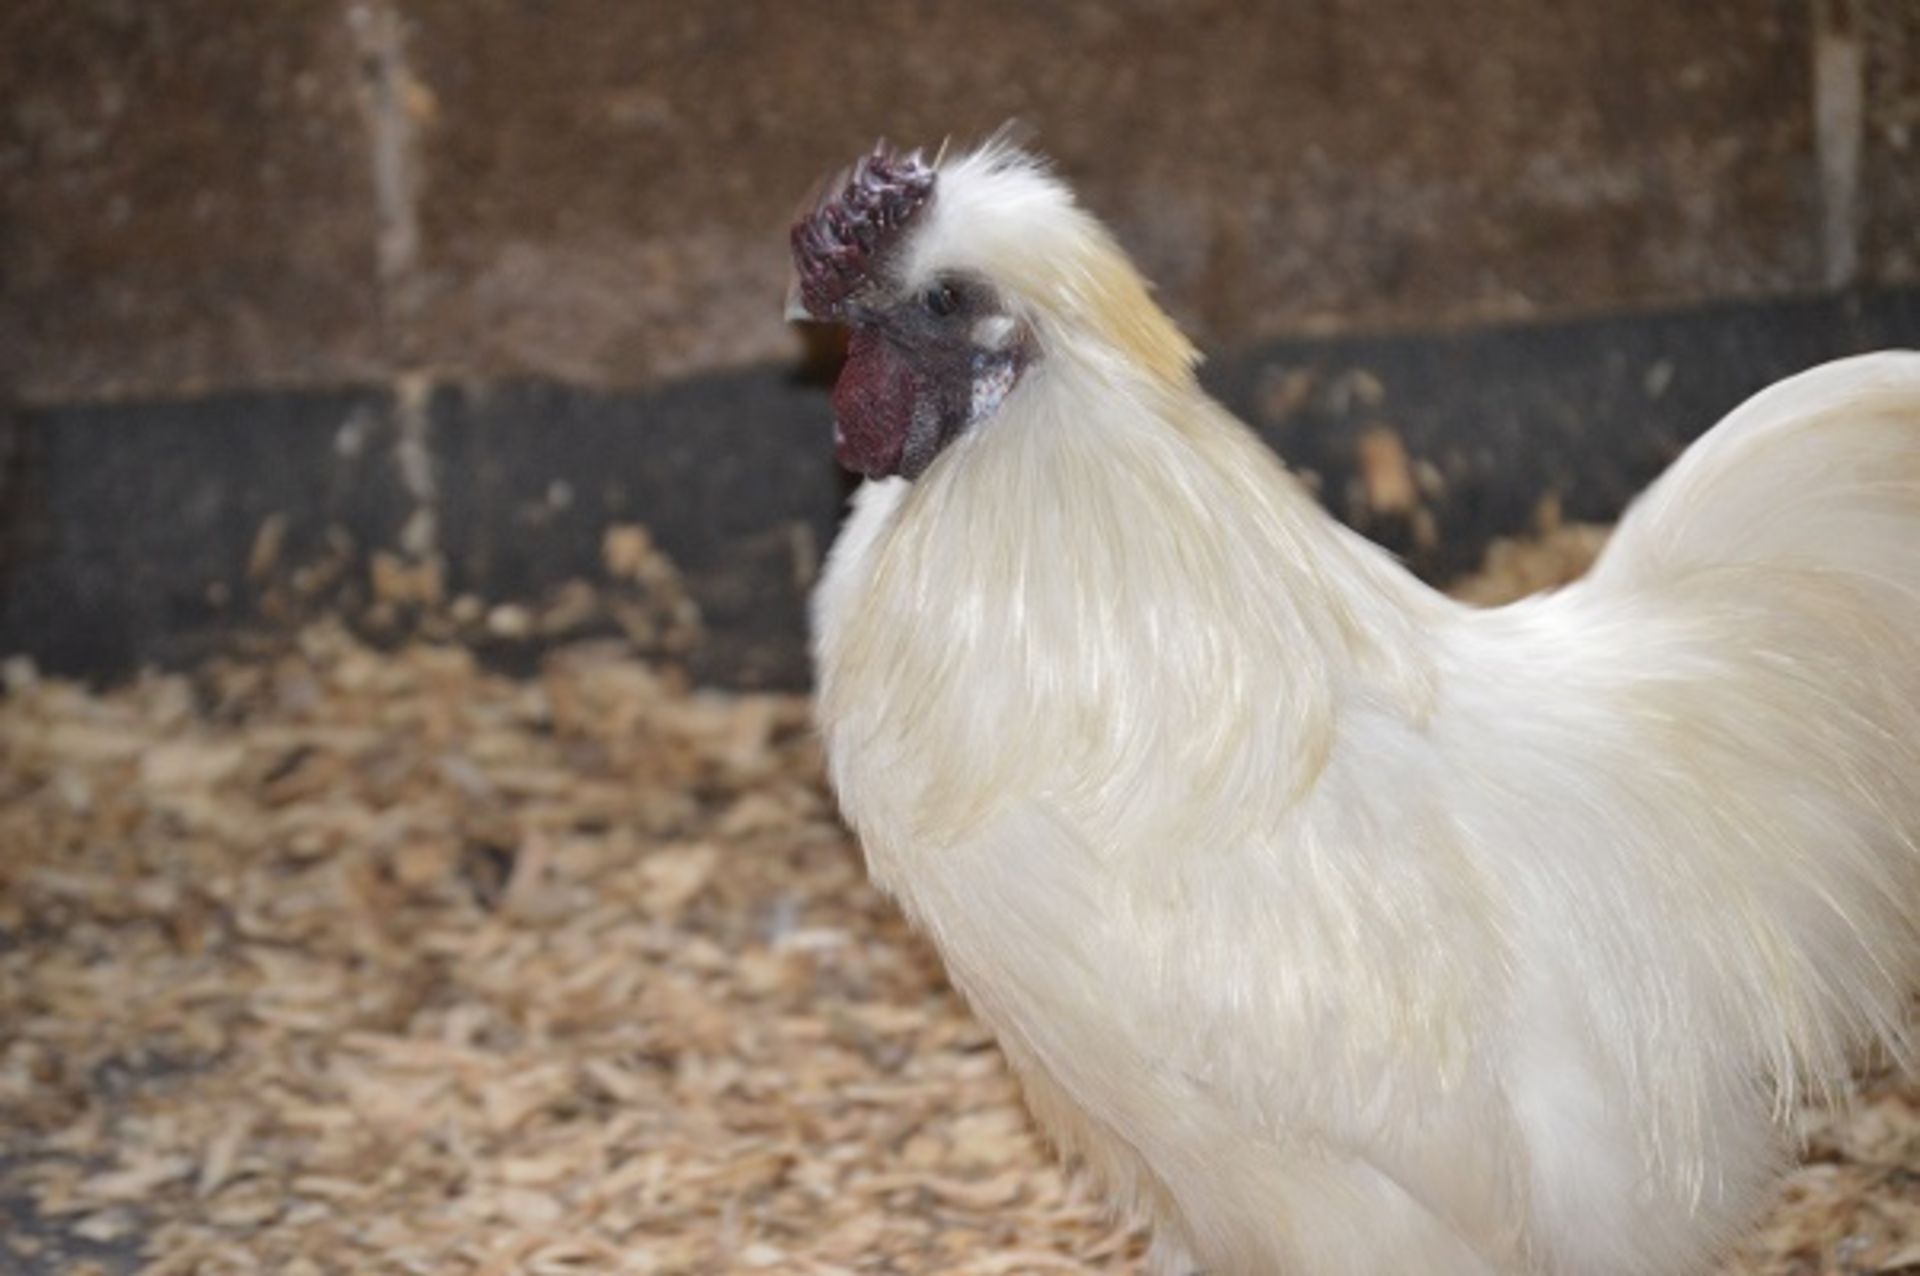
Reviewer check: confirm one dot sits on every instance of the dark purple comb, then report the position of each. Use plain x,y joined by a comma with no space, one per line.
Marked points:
839,245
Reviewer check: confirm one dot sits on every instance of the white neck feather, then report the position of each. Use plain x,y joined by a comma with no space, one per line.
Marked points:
1112,583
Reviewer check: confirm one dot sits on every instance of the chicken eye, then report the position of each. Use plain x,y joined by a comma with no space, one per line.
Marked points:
941,301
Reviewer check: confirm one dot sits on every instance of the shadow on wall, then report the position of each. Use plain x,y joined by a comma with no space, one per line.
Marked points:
690,520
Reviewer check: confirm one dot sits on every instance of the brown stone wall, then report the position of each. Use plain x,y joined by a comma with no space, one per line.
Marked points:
1889,34
225,193
184,198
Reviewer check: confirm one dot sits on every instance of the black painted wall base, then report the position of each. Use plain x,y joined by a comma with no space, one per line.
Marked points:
151,533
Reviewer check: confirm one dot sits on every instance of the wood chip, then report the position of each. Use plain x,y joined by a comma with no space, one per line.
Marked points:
338,959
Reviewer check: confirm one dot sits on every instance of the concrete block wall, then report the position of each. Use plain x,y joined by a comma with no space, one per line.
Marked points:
267,212
213,194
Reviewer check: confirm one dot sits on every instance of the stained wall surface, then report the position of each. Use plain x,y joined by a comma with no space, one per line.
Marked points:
463,316
218,194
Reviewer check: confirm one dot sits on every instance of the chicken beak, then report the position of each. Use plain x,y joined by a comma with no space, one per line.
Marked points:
796,309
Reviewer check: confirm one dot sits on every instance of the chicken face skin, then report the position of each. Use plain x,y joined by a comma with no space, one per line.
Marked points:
931,352
920,371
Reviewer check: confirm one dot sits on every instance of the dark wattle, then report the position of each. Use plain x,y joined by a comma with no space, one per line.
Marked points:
872,406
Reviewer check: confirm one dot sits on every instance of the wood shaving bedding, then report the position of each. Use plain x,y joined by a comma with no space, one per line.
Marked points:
332,960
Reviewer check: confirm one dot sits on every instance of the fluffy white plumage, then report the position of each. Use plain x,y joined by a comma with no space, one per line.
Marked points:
1340,927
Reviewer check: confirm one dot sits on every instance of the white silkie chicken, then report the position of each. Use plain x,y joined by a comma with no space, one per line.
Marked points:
1338,926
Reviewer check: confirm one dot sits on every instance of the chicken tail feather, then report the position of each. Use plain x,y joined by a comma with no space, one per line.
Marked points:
1820,471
